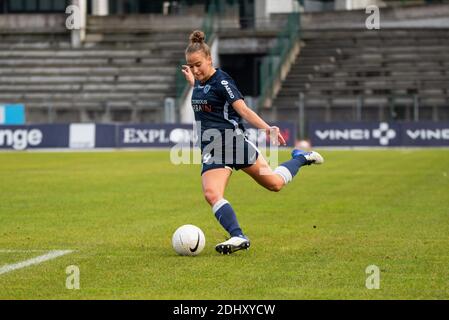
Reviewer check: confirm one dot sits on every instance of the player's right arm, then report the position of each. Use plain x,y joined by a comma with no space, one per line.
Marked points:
188,74
253,118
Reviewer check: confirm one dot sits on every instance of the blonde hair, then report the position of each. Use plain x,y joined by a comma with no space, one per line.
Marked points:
197,43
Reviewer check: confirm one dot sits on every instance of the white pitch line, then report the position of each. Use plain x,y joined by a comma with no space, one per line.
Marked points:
49,256
21,251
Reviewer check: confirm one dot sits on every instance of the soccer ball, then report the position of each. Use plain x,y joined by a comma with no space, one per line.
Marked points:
188,240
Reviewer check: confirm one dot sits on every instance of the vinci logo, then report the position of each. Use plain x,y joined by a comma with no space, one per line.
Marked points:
354,134
12,114
384,134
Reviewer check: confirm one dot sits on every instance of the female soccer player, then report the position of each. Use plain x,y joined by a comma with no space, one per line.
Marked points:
219,109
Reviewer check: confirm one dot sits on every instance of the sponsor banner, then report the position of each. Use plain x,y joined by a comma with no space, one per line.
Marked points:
82,136
2,114
87,136
34,136
106,135
152,135
12,114
425,134
287,129
15,114
381,134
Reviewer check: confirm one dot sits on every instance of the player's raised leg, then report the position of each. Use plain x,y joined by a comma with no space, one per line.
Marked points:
264,175
275,180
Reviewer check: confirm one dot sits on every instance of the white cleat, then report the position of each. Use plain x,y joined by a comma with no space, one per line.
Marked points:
312,157
232,245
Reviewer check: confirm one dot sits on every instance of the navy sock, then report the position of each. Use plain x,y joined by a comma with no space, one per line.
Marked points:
293,165
227,218
290,168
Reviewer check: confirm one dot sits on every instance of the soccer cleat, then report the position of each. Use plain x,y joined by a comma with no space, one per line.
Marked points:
312,157
232,245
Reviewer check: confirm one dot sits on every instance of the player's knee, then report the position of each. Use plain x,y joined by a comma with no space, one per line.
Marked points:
212,196
276,185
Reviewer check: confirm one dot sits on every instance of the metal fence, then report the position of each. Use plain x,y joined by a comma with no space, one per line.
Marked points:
395,108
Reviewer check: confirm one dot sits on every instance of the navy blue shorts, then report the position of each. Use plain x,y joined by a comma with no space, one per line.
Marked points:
237,155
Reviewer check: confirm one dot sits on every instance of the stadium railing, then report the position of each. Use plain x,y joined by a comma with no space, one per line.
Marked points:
406,3
271,66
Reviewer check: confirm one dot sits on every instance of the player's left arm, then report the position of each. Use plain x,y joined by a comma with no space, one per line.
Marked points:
252,118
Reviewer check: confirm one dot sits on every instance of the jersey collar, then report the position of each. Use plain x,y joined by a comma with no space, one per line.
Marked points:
210,79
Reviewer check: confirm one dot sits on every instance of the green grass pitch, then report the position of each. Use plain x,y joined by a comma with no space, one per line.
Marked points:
313,240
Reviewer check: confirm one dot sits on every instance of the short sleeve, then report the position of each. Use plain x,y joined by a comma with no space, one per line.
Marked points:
229,90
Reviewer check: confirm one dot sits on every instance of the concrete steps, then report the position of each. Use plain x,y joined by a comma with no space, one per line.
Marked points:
335,68
125,72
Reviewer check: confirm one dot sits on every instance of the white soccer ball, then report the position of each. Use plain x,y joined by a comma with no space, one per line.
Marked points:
188,240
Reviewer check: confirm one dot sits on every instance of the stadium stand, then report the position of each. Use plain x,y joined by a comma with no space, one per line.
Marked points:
122,74
127,65
384,71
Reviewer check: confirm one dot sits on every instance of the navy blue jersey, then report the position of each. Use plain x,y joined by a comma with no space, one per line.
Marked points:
212,103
